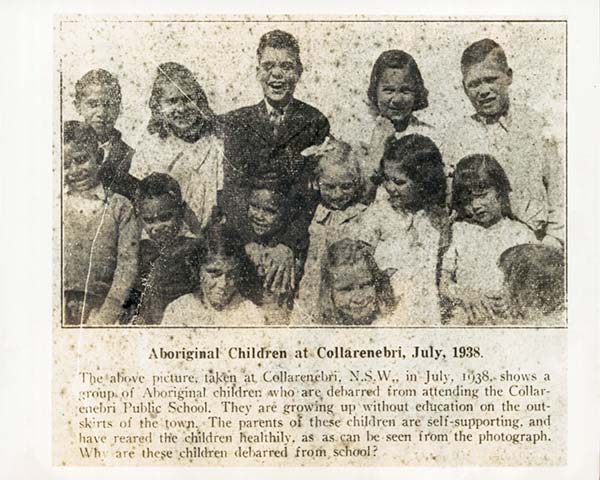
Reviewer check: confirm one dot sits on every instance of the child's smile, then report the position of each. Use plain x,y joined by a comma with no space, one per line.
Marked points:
218,281
354,292
161,219
265,212
337,186
81,168
278,74
485,207
396,94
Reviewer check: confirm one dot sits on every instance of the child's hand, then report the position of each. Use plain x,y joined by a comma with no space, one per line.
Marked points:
497,304
280,270
255,254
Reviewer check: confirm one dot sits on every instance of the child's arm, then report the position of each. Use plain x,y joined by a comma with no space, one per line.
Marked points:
128,229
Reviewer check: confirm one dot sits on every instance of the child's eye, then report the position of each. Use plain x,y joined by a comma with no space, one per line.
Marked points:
287,66
214,273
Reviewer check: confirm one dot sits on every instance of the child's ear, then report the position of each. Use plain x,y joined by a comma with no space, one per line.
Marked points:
509,74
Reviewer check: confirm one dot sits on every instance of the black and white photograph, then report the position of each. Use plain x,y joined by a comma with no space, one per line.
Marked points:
350,173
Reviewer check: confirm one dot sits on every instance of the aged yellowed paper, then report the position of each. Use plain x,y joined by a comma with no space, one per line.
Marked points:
309,241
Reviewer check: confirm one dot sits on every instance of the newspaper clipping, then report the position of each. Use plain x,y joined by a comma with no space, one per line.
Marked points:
311,241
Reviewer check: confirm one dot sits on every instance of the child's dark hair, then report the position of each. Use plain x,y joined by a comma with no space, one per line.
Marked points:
280,40
397,59
350,252
185,81
535,278
98,77
82,135
421,160
475,173
279,187
156,185
478,51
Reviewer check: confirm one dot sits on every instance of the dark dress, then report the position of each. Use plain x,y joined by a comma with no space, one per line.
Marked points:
163,276
114,171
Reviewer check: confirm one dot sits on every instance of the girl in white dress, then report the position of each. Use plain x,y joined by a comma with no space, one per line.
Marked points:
223,270
471,281
396,91
406,223
338,215
182,140
353,289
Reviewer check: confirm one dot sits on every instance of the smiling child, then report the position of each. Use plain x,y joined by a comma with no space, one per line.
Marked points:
471,281
101,234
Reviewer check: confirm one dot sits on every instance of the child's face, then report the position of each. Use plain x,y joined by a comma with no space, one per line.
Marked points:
353,291
485,207
161,218
396,94
486,84
217,277
265,212
338,187
177,109
401,189
278,73
81,166
99,108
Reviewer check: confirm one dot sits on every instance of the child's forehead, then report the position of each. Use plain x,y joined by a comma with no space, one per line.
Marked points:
276,53
394,165
396,74
336,170
164,201
349,275
492,62
79,148
266,196
97,89
220,262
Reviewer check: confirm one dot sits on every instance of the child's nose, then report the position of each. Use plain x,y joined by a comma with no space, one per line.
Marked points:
397,98
477,206
277,71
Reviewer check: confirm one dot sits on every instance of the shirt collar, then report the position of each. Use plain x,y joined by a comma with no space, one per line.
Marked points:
505,121
114,137
324,214
271,108
96,193
415,122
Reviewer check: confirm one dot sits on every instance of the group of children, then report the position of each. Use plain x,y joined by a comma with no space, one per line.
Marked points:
397,245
